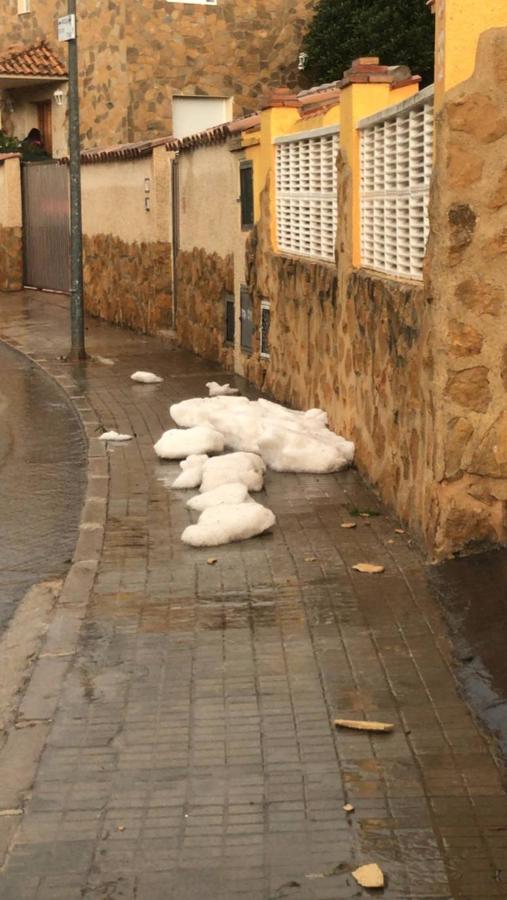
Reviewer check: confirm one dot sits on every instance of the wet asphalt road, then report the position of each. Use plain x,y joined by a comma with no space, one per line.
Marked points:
42,479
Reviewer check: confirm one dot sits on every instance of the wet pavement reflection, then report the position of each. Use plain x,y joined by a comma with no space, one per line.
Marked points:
473,595
42,478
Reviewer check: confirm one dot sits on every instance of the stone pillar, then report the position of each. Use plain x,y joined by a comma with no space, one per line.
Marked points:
466,278
11,241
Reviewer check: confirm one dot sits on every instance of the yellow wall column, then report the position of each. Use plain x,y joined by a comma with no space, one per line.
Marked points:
367,89
276,119
458,26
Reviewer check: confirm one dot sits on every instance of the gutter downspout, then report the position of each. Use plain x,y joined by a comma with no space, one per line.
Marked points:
175,194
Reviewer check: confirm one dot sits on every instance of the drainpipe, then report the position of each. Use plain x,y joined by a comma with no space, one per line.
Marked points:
175,217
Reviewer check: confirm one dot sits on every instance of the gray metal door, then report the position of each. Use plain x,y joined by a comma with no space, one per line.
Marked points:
46,226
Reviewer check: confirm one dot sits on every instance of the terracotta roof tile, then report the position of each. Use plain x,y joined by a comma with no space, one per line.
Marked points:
37,61
119,152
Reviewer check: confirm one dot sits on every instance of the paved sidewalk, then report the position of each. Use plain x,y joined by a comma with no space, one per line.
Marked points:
180,714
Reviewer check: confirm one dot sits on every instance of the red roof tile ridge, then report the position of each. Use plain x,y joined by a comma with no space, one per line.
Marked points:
38,60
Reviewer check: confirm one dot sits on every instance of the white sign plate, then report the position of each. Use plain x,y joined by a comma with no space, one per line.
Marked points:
66,28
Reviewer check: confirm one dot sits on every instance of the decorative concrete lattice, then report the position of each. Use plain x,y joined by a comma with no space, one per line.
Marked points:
306,193
396,164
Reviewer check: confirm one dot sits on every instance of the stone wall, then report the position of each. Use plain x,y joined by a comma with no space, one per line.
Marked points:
11,235
135,54
11,259
360,355
466,283
202,280
128,283
127,240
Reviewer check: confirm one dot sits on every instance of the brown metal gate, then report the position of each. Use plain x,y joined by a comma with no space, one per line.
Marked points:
46,226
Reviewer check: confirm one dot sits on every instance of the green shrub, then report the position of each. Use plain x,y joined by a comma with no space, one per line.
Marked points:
400,32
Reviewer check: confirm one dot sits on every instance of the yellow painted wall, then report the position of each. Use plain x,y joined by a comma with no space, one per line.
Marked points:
458,26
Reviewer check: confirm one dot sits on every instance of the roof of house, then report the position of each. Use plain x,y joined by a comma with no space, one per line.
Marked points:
37,61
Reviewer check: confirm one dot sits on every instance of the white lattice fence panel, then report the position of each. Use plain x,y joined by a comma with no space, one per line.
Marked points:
306,195
396,164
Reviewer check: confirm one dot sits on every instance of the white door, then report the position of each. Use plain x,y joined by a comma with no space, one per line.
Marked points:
194,114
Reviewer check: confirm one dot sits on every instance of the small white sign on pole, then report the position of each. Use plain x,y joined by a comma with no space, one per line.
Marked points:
67,28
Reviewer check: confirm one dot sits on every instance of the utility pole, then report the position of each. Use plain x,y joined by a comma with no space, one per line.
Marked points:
67,31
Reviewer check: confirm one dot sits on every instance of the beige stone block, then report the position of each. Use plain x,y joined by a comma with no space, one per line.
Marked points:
496,246
462,339
460,431
490,457
464,167
477,115
498,197
470,388
480,296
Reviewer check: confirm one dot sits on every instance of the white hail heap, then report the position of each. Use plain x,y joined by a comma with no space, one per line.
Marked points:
261,434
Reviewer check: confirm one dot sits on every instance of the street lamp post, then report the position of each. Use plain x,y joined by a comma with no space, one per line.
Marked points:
67,28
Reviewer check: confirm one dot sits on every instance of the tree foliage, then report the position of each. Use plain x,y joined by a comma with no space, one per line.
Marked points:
400,32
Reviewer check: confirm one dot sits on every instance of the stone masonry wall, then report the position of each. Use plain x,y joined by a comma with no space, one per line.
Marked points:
11,259
202,281
467,278
134,55
360,355
128,283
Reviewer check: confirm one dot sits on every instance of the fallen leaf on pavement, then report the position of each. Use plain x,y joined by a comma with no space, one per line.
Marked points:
370,876
399,531
368,568
349,808
120,828
390,541
348,525
363,725
212,560
310,559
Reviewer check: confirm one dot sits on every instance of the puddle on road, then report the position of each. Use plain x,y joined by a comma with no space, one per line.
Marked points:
42,478
473,594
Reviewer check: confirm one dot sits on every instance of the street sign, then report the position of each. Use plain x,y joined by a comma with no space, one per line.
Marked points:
67,28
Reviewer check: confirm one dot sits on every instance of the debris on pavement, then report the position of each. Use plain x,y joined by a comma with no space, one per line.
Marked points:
220,390
363,725
212,560
349,808
224,524
348,525
179,443
369,876
146,377
369,568
114,436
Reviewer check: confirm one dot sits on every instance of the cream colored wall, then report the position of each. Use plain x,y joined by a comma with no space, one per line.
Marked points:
210,212
209,188
10,194
113,198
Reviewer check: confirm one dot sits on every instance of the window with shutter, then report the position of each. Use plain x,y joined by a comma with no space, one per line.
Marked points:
246,194
396,164
307,193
